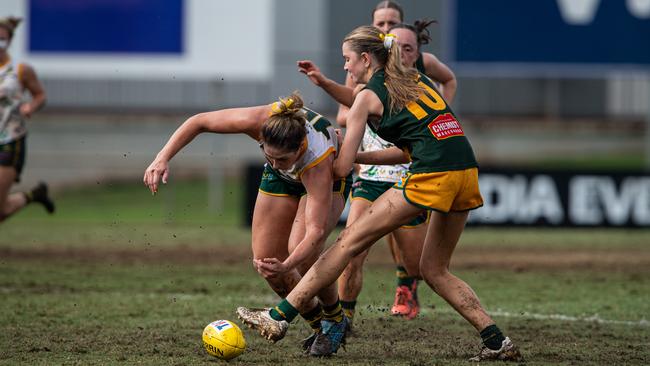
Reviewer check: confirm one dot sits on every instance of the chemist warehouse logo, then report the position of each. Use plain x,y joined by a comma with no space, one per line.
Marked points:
445,126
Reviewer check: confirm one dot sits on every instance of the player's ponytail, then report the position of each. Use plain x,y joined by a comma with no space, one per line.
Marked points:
419,28
401,82
285,127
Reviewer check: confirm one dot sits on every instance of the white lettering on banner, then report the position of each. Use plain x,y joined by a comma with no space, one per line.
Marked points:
544,201
515,199
594,200
641,212
578,12
583,12
583,203
617,206
639,8
495,190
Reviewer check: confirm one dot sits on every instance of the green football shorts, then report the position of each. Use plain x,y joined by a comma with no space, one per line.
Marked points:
273,185
370,190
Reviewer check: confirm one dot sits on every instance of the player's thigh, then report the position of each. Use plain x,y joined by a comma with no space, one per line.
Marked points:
299,227
443,233
410,241
386,214
357,208
7,178
338,205
272,221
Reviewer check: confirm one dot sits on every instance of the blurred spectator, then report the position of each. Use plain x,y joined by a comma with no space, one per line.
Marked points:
15,78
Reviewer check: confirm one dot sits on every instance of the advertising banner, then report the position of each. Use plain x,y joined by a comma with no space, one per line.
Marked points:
570,36
560,198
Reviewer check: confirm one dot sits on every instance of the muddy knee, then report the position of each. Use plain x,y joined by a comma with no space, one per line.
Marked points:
436,278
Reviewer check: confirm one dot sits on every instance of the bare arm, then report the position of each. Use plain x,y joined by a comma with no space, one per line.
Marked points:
318,183
365,104
343,94
342,114
389,156
441,73
29,80
236,120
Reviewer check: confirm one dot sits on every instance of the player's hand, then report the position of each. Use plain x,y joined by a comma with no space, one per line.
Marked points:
312,71
339,137
270,267
157,171
26,110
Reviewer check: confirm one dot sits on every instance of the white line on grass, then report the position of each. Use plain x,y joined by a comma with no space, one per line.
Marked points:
527,315
568,318
500,313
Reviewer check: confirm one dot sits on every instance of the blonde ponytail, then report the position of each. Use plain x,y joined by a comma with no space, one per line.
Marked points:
401,82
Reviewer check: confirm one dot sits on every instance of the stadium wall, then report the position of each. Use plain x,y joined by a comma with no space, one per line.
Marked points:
244,52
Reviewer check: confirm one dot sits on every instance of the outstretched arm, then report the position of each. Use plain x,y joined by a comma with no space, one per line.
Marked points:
389,156
441,73
342,114
341,93
235,120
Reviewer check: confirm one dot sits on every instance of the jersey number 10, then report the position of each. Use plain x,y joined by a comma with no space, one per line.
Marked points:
430,98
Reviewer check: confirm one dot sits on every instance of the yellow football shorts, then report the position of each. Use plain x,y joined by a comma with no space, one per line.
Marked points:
455,190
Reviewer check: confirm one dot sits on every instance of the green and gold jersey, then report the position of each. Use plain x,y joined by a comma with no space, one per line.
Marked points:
427,129
12,123
419,64
321,142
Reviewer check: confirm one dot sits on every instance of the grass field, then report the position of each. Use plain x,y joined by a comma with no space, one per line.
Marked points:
120,277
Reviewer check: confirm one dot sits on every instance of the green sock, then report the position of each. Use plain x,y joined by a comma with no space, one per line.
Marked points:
284,311
403,278
333,312
492,337
313,317
348,308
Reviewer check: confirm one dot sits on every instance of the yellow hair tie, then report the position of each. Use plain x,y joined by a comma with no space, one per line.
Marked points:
388,39
277,106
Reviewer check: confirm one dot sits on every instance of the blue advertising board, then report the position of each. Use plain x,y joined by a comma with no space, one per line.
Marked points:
528,34
106,26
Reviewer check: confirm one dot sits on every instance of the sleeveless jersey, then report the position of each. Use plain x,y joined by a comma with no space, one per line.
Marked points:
419,64
321,142
427,129
12,124
379,173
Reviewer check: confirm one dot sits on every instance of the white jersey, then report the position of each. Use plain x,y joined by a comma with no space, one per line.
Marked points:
12,124
379,173
321,142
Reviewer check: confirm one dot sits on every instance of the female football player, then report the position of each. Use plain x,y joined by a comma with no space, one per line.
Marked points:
15,78
298,203
373,180
402,106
